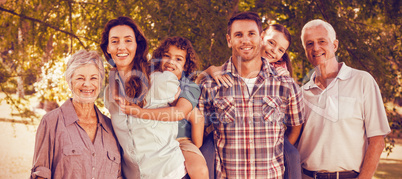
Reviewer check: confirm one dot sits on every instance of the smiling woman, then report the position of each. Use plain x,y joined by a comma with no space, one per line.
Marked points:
71,139
122,47
147,145
85,83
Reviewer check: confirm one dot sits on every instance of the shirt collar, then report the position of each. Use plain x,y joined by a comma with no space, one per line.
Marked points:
184,77
70,116
102,121
115,75
265,72
344,73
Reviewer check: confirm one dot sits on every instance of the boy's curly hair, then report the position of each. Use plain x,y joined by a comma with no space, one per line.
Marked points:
191,64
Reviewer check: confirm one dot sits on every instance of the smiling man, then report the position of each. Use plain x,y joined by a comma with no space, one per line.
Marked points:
247,118
345,117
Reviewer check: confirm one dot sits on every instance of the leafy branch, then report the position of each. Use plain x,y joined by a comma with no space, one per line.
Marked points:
45,24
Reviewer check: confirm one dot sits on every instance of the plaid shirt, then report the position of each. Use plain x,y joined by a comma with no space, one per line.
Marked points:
248,127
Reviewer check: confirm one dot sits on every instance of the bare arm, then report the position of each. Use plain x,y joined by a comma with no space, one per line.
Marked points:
375,147
174,113
293,133
216,73
197,127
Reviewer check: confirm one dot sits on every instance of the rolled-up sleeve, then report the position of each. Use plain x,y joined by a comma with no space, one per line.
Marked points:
43,152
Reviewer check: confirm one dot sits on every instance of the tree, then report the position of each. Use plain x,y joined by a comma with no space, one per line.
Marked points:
38,35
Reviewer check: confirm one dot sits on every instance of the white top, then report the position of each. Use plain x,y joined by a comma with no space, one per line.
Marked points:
150,144
339,121
250,82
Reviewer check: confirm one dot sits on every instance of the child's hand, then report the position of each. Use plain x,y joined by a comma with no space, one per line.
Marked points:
216,74
130,109
127,107
282,71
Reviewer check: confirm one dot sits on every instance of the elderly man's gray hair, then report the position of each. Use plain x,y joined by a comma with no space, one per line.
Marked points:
316,23
82,58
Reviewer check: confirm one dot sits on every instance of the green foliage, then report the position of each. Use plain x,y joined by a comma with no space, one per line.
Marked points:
36,35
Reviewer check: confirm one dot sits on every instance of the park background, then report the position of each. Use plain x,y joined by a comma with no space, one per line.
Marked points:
37,36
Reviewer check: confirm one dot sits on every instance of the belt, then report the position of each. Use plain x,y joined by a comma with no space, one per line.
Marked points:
331,175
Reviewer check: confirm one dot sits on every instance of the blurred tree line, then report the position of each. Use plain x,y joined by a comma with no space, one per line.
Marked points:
37,35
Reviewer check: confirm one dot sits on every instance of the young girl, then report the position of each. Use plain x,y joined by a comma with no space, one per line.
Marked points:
176,55
276,40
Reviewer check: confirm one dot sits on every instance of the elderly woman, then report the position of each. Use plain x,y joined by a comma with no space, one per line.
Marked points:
76,140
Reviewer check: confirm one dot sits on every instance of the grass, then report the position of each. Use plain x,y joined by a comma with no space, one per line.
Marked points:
389,169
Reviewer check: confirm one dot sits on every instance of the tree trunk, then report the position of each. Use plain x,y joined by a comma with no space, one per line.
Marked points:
20,81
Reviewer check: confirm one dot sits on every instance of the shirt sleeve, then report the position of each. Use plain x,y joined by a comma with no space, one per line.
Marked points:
43,152
205,106
295,106
375,117
190,91
164,86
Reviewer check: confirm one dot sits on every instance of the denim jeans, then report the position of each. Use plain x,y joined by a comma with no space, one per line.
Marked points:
292,161
208,150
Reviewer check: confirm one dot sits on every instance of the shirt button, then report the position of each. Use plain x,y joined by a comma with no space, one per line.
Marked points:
93,168
251,141
93,154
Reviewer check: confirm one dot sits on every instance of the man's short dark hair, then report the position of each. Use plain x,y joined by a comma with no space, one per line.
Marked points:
245,16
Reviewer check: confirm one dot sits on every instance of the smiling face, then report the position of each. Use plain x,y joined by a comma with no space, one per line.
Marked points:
318,46
174,60
85,83
274,45
122,47
245,40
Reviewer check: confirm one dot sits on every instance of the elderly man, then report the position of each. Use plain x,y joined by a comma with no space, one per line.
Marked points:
343,135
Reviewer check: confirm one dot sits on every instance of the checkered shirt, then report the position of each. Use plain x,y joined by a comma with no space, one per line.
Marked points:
249,127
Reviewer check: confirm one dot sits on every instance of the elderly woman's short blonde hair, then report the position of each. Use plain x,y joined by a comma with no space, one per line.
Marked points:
80,59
